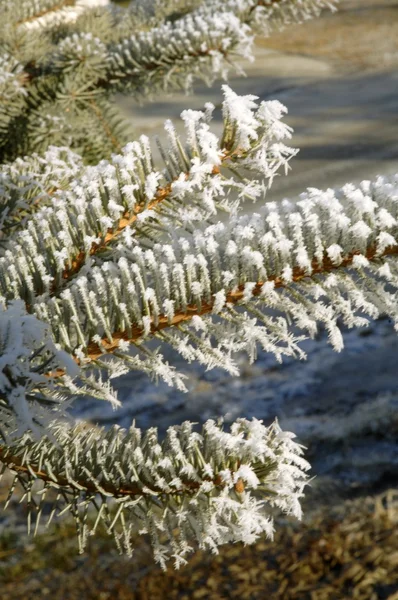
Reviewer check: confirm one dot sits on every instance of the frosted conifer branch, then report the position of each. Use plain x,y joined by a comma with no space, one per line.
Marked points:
43,13
193,489
95,262
27,10
176,284
266,16
154,12
114,200
29,398
170,55
29,183
331,254
272,14
84,69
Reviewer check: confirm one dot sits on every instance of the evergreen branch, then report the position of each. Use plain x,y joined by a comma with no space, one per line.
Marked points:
28,397
228,480
167,57
155,12
102,205
168,54
131,293
128,220
95,350
53,6
22,12
106,258
113,234
319,246
16,464
30,182
108,131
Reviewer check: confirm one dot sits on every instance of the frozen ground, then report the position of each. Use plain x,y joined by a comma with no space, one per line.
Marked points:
338,76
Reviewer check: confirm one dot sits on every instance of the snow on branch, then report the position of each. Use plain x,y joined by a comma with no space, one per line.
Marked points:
27,10
91,265
28,397
271,14
201,489
197,44
173,54
332,255
37,14
29,183
115,200
266,16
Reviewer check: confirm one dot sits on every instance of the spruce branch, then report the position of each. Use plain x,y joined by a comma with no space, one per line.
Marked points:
297,250
210,487
97,349
28,396
190,284
29,183
81,68
42,9
26,11
98,262
169,56
116,197
104,124
340,247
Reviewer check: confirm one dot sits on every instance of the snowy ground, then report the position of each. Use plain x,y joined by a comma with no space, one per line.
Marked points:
341,90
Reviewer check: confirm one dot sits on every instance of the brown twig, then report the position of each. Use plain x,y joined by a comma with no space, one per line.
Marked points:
15,463
94,351
127,220
62,4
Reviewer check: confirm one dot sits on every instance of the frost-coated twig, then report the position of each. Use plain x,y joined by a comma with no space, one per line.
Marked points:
95,350
117,196
209,488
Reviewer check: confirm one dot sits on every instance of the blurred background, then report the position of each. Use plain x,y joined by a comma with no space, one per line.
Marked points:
338,77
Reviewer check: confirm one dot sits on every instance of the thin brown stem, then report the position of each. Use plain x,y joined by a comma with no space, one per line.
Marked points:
94,351
15,463
62,4
104,124
127,220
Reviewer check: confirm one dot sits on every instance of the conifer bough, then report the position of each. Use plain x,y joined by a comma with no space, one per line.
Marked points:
104,249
